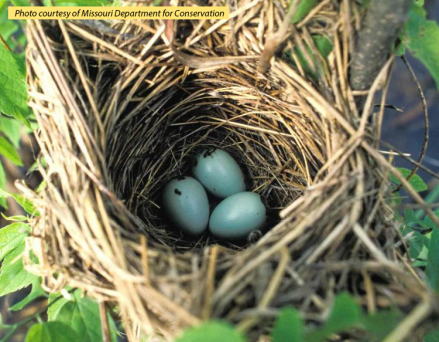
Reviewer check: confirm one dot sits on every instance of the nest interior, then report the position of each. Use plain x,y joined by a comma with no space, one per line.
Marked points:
211,112
122,108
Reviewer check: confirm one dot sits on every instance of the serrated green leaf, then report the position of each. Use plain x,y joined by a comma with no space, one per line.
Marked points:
11,237
421,39
13,89
288,327
13,276
35,293
382,323
11,128
432,270
304,7
8,150
82,314
210,332
51,332
416,182
345,314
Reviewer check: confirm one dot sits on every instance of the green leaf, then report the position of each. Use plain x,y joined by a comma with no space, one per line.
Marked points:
432,336
3,201
25,203
11,237
13,89
9,151
51,332
416,182
15,218
56,302
323,45
11,128
304,7
35,293
82,314
288,327
417,245
344,315
13,276
7,27
431,197
211,332
421,39
400,49
382,323
429,222
21,2
432,270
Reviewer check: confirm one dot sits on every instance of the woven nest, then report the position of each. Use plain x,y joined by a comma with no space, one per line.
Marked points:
121,111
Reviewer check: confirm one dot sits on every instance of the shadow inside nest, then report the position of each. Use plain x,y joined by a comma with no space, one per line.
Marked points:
158,142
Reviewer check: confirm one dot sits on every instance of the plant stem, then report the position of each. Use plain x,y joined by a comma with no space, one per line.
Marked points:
380,28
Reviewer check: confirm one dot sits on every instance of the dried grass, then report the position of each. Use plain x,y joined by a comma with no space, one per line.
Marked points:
119,115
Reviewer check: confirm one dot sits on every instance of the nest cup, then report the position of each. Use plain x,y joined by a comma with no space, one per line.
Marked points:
263,134
121,112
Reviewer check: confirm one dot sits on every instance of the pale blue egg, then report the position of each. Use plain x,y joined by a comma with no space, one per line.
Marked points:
237,216
186,203
219,173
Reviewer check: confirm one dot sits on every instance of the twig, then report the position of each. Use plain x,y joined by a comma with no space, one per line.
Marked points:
380,29
411,160
410,322
426,122
277,39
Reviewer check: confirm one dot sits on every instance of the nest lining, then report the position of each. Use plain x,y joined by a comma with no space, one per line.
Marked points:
267,137
119,116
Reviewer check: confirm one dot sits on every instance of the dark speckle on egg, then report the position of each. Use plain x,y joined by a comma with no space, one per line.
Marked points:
209,152
178,192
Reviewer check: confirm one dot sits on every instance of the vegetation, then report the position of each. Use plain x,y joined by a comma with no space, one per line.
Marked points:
79,317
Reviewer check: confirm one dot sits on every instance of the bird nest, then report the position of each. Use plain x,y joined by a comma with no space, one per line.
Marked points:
123,108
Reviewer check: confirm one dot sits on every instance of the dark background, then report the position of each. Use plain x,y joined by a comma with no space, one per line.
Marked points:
405,130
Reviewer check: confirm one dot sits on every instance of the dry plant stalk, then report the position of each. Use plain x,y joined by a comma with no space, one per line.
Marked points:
119,115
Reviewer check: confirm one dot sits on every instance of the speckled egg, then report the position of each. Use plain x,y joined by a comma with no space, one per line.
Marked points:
186,203
219,173
237,216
